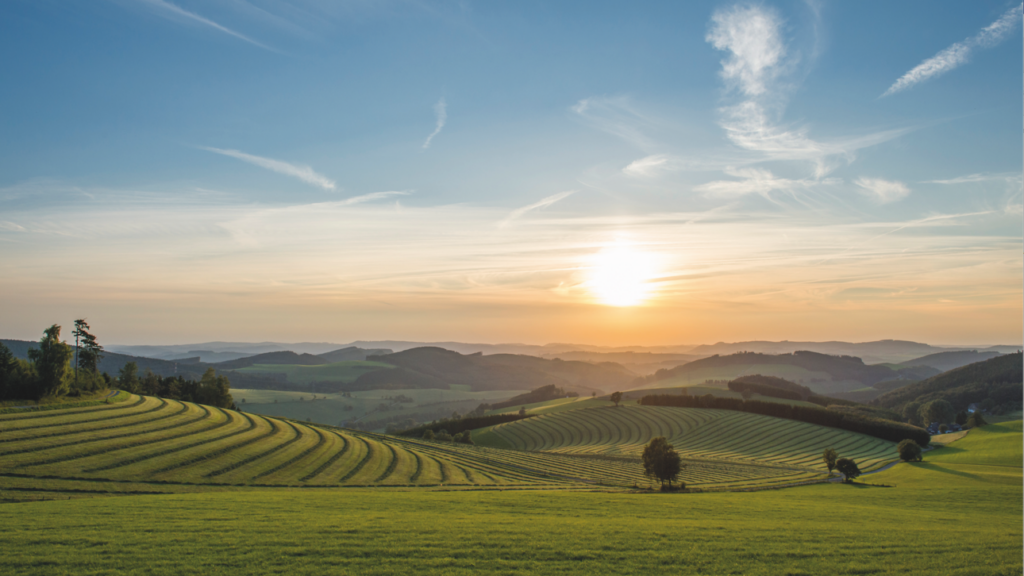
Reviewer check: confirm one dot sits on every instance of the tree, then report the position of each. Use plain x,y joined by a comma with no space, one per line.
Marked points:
829,456
522,411
87,351
128,377
961,417
17,377
428,434
616,397
940,411
943,428
52,362
976,419
593,394
662,462
848,468
912,412
909,451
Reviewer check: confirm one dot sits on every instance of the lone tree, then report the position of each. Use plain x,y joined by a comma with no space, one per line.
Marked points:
909,451
829,456
616,397
661,461
848,468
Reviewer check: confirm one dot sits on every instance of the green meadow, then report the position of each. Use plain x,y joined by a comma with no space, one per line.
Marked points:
939,518
153,486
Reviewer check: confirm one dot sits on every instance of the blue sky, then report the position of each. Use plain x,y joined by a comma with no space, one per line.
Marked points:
322,170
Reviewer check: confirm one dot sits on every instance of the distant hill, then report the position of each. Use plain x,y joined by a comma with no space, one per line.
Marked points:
286,357
353,353
871,352
822,373
943,361
431,367
997,381
640,363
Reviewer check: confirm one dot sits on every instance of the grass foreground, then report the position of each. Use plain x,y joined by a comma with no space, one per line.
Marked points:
959,513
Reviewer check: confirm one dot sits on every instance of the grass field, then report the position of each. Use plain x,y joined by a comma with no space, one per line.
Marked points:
335,410
167,445
346,371
719,447
942,517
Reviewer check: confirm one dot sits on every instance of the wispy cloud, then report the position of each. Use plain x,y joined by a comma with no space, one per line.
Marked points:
882,191
302,172
970,178
649,165
441,111
756,181
959,53
541,204
757,62
371,197
616,116
167,9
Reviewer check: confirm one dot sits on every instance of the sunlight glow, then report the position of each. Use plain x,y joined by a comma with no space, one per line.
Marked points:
620,275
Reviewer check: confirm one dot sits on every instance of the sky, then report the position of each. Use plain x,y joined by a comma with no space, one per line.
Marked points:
591,172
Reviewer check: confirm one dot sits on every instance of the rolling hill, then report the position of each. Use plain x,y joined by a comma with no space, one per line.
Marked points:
822,373
945,361
998,379
146,443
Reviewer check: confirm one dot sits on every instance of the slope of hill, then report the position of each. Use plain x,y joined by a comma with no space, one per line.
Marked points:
945,361
283,357
998,379
794,448
353,353
440,368
156,445
821,373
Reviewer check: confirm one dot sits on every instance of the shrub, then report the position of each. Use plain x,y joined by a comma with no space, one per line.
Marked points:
909,451
847,467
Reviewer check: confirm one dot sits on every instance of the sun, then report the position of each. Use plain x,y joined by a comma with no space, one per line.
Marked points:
620,276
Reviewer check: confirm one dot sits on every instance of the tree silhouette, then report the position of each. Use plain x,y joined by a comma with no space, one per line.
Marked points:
662,462
616,397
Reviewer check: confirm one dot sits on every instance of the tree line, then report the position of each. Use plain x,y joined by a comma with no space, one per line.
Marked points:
458,425
211,389
884,429
55,368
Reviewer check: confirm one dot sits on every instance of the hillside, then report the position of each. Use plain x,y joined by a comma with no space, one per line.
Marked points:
997,381
945,361
440,368
822,373
152,444
283,357
713,436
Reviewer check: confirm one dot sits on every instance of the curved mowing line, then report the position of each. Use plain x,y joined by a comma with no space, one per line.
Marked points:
414,479
391,465
106,450
300,456
273,430
552,432
331,460
179,448
64,412
359,465
507,436
184,408
104,419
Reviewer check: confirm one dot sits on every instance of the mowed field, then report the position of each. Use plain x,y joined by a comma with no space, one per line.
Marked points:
335,409
937,517
719,447
144,444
